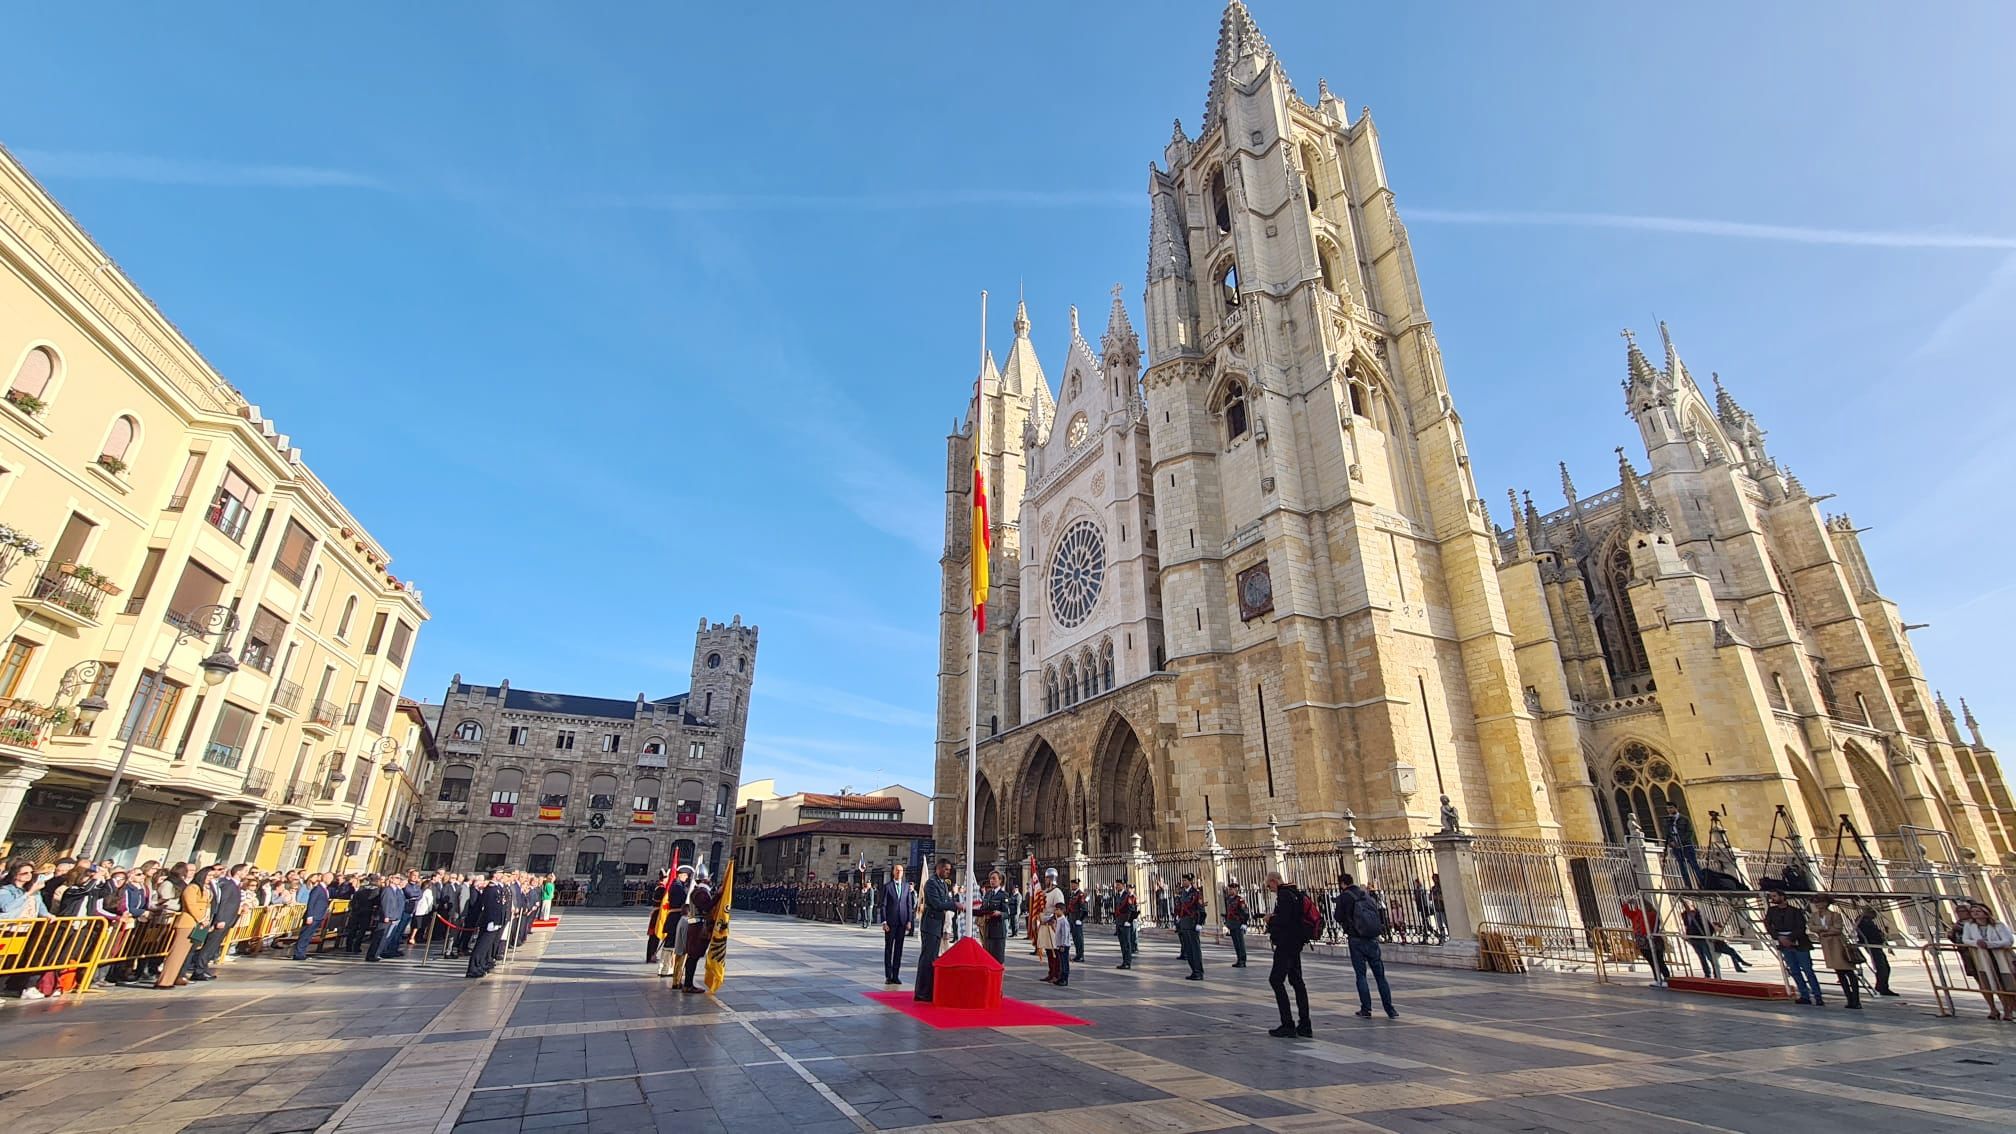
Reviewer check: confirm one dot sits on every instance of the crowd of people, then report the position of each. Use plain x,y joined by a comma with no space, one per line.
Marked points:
200,906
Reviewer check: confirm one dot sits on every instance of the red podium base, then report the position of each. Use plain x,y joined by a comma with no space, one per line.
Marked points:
1748,989
967,978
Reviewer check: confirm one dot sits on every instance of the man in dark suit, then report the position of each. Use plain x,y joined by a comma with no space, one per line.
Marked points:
490,910
363,914
391,915
899,913
227,898
940,899
316,913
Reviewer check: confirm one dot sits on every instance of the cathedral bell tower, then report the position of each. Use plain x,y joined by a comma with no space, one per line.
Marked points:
1328,583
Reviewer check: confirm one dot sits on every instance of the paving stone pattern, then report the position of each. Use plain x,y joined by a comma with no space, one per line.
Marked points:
577,1034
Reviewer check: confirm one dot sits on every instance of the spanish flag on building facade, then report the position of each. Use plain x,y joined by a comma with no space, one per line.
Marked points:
982,546
717,948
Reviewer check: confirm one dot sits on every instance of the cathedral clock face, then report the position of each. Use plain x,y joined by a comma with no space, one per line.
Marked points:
1256,592
1077,573
1080,429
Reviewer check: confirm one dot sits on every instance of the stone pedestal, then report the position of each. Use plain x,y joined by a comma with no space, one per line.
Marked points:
183,843
14,785
1460,903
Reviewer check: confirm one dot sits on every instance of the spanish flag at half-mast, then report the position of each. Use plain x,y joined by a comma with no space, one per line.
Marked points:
982,545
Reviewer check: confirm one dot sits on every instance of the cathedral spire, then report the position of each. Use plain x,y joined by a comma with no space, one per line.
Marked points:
1534,532
1522,543
1973,726
1120,347
1023,373
1639,510
1725,402
1568,486
1242,54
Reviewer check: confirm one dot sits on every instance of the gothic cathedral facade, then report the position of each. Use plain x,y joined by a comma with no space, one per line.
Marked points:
1250,578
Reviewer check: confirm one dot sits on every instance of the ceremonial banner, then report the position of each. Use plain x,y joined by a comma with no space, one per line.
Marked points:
552,814
717,949
982,544
665,895
644,818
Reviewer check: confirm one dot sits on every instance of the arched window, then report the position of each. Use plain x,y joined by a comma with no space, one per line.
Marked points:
504,792
714,860
683,852
589,852
1221,206
1618,624
470,731
539,858
455,781
30,389
553,787
689,801
1643,783
119,439
1331,263
636,858
308,596
1070,682
440,851
646,799
1361,400
1091,673
1228,286
1310,164
654,746
490,853
1106,663
1050,690
349,612
721,802
1232,406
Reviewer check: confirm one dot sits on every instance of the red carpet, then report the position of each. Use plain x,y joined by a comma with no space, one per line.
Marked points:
1011,1014
1751,989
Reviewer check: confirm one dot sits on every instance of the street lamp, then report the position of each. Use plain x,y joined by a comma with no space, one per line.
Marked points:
385,748
83,675
200,623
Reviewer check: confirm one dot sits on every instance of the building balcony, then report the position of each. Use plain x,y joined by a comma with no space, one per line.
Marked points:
218,754
653,760
230,517
23,724
321,719
297,795
286,699
259,782
65,594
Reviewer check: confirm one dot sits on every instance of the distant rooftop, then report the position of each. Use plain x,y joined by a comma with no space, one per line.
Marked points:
574,705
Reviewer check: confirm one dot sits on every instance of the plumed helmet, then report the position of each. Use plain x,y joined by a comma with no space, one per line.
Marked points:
1051,873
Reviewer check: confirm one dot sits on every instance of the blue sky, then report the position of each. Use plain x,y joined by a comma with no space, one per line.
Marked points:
606,318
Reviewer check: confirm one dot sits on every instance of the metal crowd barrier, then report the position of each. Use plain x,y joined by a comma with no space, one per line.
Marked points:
53,944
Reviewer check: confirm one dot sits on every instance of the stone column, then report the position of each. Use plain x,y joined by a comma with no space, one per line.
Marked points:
183,843
90,823
14,785
1081,866
1221,872
292,843
245,837
1137,873
1277,857
1457,866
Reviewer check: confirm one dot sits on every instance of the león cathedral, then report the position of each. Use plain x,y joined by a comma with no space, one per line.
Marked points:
1251,575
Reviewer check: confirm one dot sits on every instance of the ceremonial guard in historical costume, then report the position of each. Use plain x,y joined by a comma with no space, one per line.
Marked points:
699,927
672,925
1052,931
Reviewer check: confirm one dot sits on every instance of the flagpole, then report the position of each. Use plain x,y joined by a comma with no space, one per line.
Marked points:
969,890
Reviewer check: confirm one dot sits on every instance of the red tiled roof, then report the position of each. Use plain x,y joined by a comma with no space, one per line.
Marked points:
854,827
854,802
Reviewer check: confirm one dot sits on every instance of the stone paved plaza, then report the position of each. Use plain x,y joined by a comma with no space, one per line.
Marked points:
576,1034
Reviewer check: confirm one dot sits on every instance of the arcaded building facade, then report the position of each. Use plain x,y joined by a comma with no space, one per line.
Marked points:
1248,574
557,783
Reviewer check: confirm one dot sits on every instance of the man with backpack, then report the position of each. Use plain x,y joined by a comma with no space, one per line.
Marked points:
1295,922
1363,916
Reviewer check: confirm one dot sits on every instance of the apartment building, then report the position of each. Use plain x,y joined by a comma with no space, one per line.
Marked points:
194,619
787,837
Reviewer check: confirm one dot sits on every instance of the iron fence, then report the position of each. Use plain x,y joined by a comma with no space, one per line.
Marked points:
1402,871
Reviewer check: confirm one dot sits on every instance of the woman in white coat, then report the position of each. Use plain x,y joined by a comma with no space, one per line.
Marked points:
1993,950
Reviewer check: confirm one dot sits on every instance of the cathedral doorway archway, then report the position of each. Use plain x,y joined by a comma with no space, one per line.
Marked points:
1124,792
1043,821
986,821
1879,795
1818,817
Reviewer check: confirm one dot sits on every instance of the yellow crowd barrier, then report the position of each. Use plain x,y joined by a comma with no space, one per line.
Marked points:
53,945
